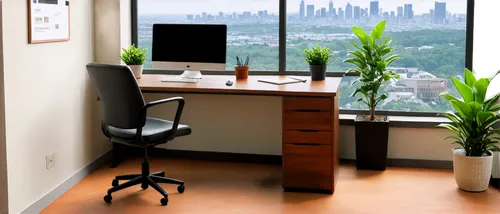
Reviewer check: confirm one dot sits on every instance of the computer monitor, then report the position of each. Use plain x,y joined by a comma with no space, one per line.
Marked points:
189,47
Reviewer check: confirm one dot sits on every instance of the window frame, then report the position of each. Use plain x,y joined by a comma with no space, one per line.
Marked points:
282,56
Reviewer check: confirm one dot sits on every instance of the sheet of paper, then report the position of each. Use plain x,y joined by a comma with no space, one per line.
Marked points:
49,20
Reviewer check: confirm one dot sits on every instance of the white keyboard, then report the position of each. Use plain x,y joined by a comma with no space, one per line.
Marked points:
179,80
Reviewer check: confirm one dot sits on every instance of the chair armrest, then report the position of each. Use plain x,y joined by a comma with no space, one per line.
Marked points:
178,114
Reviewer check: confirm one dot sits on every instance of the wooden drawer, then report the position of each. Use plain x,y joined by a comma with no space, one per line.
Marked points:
297,120
307,137
307,167
307,104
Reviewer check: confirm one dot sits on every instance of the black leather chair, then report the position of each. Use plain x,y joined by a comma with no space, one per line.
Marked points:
124,120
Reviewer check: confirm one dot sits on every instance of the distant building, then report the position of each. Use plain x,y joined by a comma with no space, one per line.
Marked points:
408,12
341,13
348,11
393,15
400,12
204,16
189,17
310,11
374,9
439,12
302,10
323,12
318,13
357,12
261,15
422,85
386,15
221,15
331,9
431,15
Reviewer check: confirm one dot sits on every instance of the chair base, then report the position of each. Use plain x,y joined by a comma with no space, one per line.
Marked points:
146,180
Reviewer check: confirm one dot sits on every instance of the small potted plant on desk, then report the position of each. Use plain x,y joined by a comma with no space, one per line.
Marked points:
317,58
371,63
134,58
472,124
241,68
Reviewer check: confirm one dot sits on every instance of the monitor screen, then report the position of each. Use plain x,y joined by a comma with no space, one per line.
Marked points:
189,43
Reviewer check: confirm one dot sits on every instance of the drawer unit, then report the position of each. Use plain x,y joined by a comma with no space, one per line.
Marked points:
307,104
307,137
300,120
310,159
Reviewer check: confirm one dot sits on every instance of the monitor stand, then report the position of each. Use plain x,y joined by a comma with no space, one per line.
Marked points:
191,75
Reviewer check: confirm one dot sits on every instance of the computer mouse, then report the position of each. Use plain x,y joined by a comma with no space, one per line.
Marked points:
229,83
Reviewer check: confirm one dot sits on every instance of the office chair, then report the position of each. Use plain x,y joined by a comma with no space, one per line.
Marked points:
124,120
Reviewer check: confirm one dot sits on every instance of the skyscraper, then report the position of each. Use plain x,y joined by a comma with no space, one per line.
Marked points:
408,13
318,13
302,10
323,12
357,12
331,9
204,16
221,15
393,15
341,13
374,9
348,11
439,12
400,12
431,15
310,11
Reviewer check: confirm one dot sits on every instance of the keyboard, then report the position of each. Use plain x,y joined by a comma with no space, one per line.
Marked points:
179,80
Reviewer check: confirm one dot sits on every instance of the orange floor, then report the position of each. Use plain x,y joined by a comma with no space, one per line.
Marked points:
218,187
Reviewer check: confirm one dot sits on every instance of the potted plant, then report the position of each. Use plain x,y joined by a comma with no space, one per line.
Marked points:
372,64
241,68
317,58
134,58
472,124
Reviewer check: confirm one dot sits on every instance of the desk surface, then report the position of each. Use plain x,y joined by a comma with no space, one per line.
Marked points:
216,84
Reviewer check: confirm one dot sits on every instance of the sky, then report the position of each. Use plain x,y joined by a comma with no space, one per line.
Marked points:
272,6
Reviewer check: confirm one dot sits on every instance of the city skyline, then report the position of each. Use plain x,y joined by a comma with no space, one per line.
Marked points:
293,6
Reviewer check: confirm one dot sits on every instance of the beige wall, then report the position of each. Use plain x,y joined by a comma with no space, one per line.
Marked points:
50,106
252,124
3,156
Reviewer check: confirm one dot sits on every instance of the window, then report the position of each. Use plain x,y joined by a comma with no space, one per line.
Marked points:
253,26
431,37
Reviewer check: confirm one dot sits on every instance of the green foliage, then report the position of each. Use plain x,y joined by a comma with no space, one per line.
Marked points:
239,63
474,116
133,55
371,64
317,55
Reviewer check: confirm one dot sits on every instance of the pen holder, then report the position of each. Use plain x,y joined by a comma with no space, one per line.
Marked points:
241,72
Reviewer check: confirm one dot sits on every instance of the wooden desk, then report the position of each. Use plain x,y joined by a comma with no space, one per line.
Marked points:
310,122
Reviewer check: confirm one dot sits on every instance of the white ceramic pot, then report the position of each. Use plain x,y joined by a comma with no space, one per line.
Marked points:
472,174
137,70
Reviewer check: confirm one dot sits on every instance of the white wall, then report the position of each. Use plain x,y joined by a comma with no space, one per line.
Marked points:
252,124
3,155
50,106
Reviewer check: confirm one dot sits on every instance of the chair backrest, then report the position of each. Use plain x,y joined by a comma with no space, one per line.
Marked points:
121,97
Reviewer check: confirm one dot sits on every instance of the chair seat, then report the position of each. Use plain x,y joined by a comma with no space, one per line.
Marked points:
155,131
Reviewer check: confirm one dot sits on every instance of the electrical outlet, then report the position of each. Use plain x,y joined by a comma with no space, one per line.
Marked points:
50,161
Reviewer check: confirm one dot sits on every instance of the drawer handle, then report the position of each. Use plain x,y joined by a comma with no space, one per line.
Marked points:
305,110
306,144
308,130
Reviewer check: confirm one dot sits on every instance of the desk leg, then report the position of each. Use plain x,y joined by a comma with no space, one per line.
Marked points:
117,154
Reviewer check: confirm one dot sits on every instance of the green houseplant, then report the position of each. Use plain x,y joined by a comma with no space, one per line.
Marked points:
472,124
242,68
134,57
371,61
318,58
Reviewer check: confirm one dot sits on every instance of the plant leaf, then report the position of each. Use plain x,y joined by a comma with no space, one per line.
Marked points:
479,89
463,89
463,109
470,79
361,34
378,31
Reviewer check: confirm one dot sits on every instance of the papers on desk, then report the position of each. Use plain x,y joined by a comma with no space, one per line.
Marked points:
282,81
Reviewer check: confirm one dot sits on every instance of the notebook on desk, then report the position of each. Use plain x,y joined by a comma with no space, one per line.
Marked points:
283,81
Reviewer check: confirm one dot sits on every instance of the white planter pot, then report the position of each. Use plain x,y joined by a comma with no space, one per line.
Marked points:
137,70
471,173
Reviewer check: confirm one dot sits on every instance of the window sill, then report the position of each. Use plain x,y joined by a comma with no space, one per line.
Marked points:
400,121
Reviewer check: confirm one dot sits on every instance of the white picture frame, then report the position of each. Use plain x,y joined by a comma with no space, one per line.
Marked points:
48,21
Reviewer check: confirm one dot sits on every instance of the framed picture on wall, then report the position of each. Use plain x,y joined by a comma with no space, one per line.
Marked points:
48,21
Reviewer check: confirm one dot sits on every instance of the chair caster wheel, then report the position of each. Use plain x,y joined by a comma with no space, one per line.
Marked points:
180,188
108,199
164,201
114,183
144,186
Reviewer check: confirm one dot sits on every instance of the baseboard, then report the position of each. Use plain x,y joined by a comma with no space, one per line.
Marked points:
276,159
50,197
